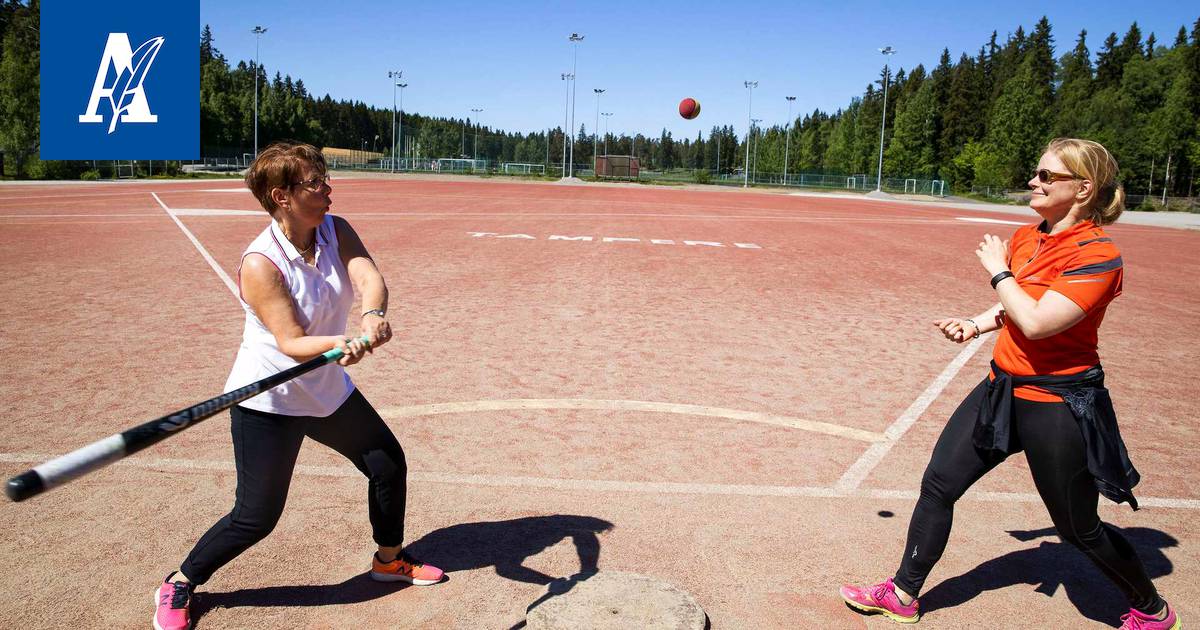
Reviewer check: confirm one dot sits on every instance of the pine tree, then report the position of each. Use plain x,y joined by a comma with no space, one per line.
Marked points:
206,45
1018,127
961,120
911,150
1041,49
1108,63
1075,76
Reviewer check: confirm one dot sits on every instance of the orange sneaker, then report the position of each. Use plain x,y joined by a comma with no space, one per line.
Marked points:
404,569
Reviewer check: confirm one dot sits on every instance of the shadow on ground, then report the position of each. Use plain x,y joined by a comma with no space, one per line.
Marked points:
504,545
1052,565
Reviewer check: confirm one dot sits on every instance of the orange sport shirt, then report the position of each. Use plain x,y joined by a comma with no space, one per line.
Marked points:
1083,264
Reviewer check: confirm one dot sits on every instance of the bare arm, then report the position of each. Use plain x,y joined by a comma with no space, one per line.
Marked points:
264,290
1037,319
367,281
960,330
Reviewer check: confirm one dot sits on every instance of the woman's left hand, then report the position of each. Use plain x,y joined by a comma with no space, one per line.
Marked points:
353,350
993,254
377,328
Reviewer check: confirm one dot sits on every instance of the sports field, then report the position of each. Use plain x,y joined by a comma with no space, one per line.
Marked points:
732,391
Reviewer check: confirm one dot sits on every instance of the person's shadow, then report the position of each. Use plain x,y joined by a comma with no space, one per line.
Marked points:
504,545
1051,565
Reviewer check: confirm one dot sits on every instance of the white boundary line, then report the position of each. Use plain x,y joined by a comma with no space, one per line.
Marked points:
203,252
598,485
861,469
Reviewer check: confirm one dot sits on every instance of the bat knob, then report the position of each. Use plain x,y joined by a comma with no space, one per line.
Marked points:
24,485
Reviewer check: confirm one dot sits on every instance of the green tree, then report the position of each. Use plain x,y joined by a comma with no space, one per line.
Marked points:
1075,72
19,89
1018,126
961,119
911,151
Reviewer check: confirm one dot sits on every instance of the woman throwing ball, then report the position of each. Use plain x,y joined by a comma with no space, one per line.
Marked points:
297,282
1045,394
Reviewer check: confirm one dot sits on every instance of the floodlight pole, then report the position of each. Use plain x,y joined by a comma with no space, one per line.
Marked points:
567,78
393,75
258,31
788,145
575,38
750,85
606,116
475,150
756,140
596,131
719,155
886,50
400,131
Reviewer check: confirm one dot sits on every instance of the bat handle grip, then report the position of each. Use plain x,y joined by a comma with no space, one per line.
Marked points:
336,353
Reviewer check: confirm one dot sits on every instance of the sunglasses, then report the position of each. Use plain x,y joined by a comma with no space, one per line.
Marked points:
314,184
1047,176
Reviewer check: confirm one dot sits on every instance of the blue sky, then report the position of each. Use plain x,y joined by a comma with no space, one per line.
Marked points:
507,57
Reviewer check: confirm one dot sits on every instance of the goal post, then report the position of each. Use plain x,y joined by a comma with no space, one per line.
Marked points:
523,168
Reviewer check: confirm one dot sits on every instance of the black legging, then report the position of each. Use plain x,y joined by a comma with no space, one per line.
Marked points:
1053,445
265,446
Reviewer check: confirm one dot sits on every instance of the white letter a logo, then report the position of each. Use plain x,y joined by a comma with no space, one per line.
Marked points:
125,95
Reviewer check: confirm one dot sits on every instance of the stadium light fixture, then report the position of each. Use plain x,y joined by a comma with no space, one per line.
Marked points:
788,145
258,32
750,85
596,131
885,51
575,38
393,75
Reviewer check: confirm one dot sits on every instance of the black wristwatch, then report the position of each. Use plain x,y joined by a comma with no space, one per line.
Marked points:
376,311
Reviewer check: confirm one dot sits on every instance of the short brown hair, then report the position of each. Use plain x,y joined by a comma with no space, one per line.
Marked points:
278,166
1091,161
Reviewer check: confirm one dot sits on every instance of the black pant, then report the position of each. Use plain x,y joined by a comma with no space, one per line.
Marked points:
1053,445
265,446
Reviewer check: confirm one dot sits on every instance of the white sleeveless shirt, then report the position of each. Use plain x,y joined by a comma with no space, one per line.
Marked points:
322,296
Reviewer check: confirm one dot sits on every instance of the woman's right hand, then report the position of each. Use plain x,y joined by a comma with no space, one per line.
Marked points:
955,329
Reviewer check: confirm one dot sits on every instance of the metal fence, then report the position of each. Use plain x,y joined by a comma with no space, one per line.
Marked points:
1156,203
353,159
1141,203
826,181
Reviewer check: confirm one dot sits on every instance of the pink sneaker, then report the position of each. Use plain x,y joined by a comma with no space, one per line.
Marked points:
882,599
172,603
1135,620
404,569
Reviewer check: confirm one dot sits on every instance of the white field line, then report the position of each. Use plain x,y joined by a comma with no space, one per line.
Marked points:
203,252
983,220
77,216
632,405
875,453
198,212
592,485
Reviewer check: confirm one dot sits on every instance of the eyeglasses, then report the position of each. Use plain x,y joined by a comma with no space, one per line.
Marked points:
315,183
1047,176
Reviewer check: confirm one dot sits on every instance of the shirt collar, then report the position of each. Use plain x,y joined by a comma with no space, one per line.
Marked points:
1082,226
289,250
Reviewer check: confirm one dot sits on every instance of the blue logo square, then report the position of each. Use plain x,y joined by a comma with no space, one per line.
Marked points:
120,82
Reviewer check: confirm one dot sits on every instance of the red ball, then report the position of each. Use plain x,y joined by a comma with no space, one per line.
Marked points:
689,108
